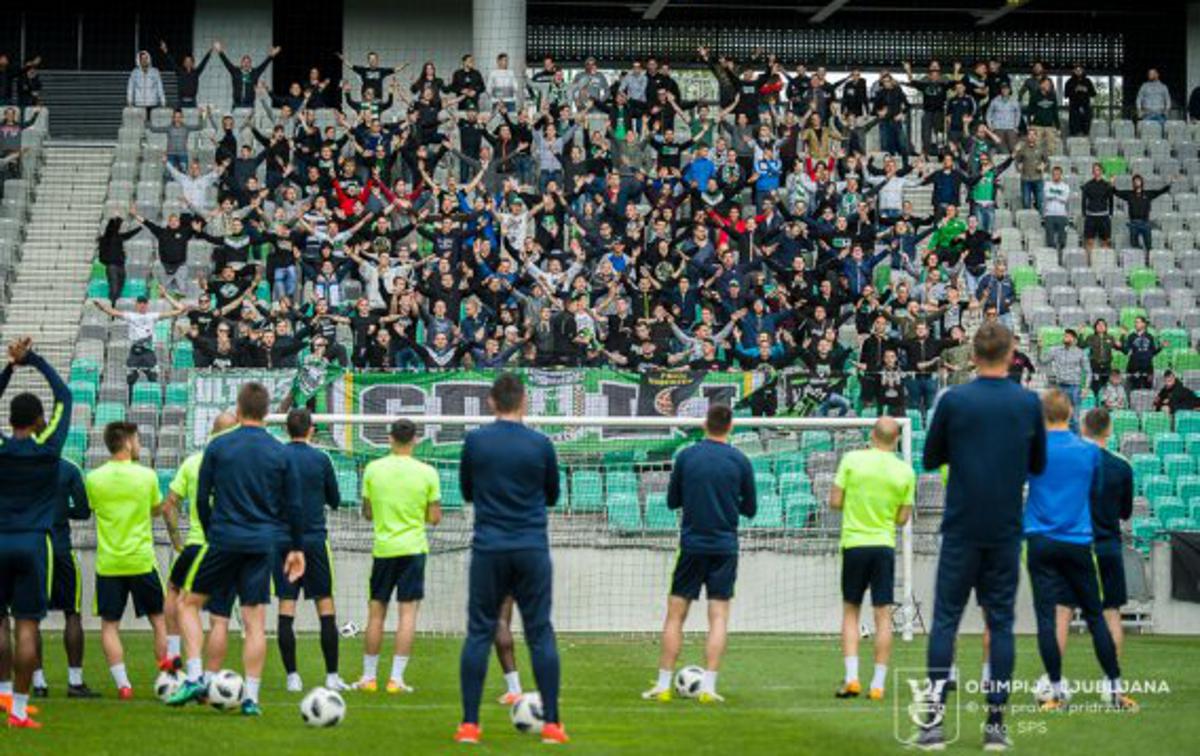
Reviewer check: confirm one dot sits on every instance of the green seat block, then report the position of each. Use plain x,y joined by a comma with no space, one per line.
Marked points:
164,481
799,508
765,483
1156,485
1129,315
1187,422
83,369
1146,464
1176,465
1156,423
622,483
1187,487
177,394
107,412
1167,443
587,491
1184,359
134,288
97,289
84,392
658,517
768,515
182,356
451,493
1050,336
816,441
1124,421
1141,279
624,514
347,483
1166,508
1024,276
146,392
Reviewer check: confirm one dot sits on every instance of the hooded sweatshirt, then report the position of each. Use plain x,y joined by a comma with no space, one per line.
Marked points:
145,88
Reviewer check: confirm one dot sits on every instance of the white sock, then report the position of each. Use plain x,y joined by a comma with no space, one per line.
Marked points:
880,677
664,679
370,666
119,676
399,664
953,673
851,668
252,684
985,675
513,681
205,678
39,678
6,688
708,684
293,676
1056,688
172,646
18,706
194,670
75,675
1111,688
332,680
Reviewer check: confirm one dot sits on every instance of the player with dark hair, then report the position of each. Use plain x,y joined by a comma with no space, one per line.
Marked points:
1058,538
981,529
125,498
29,468
401,495
713,483
319,489
510,474
249,491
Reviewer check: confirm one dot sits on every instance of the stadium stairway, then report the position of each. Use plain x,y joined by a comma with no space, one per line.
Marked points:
57,252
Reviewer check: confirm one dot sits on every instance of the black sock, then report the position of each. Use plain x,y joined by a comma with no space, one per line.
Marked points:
329,643
287,643
995,715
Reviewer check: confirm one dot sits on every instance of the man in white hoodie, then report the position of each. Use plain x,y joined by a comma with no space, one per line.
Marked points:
502,86
145,88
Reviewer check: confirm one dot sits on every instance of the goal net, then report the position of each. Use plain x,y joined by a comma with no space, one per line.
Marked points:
613,540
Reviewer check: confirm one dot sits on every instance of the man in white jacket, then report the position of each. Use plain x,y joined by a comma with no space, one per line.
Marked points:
502,85
195,186
145,88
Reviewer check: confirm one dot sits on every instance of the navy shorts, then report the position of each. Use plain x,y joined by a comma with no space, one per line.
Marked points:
113,593
25,574
402,575
221,572
871,567
1110,568
716,573
219,603
1062,573
65,583
317,581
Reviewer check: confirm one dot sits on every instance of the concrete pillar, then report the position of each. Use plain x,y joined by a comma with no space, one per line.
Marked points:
499,27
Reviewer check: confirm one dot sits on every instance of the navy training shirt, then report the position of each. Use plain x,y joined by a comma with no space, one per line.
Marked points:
248,497
72,504
318,486
29,466
991,434
712,483
1113,502
510,474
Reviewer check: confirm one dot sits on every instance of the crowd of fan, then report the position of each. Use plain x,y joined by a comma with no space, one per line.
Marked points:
740,234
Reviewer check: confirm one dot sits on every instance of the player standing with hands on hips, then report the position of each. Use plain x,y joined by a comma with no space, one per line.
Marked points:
713,483
509,473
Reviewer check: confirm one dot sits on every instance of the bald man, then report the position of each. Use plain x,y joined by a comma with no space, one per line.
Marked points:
874,490
183,490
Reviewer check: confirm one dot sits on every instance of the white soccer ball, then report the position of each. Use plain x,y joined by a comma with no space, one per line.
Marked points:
167,683
526,714
322,707
688,681
226,690
350,630
1043,690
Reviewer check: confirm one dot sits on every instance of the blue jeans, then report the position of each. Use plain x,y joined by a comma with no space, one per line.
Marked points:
1072,390
834,403
1139,234
1156,117
922,389
407,358
1031,194
178,161
986,215
285,282
547,176
890,136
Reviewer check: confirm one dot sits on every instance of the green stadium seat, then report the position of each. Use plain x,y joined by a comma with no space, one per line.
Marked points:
1192,444
1145,465
178,394
794,482
765,483
622,483
658,517
1156,423
769,514
97,289
1187,422
1024,276
799,508
816,441
347,483
1141,279
162,332
83,369
587,491
1184,359
451,493
1176,337
915,417
1167,443
134,288
624,514
1155,485
1050,336
790,463
1176,465
146,392
1193,506
1124,421
1168,507
182,356
84,392
164,481
1120,361
1128,316
1187,487
107,412
762,464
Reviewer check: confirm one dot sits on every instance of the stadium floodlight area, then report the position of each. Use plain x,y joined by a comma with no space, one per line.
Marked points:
613,540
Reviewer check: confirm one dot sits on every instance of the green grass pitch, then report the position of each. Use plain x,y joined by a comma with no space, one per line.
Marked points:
778,690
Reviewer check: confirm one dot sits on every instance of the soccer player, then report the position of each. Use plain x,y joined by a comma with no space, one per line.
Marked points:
125,497
400,495
991,434
510,475
712,483
249,490
874,489
319,489
1111,504
1058,537
65,587
28,492
183,490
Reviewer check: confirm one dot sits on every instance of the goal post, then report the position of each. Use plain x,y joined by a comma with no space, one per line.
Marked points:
613,540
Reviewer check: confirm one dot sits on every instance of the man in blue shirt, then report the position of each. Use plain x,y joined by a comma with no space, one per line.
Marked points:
509,473
713,483
1111,504
1058,535
248,499
318,490
991,434
29,477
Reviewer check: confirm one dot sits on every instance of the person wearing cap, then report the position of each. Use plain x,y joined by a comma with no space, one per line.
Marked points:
141,322
1069,370
400,496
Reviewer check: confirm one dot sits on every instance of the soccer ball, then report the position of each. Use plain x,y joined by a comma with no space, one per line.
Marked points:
322,707
226,690
526,713
1043,691
166,684
688,680
350,630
